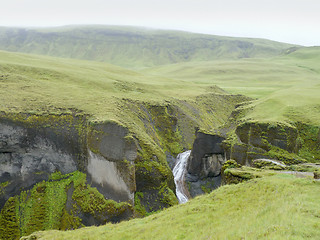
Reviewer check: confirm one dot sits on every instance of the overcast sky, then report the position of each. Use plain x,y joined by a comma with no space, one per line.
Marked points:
292,21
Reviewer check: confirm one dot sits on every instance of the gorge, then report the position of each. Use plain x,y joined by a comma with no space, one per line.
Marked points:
85,143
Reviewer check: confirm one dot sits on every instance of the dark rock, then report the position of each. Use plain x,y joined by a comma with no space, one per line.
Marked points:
34,147
262,135
200,187
256,139
170,160
204,164
191,178
204,144
30,154
316,174
239,153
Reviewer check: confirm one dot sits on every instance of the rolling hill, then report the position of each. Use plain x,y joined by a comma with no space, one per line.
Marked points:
132,46
286,88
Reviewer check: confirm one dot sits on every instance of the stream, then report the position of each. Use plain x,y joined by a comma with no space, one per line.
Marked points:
179,171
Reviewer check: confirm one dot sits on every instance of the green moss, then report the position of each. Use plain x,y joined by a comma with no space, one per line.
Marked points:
44,206
309,142
140,210
9,224
167,196
3,185
238,175
316,174
230,164
267,165
91,201
285,156
302,168
69,221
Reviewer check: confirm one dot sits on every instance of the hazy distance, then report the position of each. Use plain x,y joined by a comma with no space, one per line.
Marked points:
281,20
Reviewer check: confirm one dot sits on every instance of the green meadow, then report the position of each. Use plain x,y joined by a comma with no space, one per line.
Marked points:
284,88
275,207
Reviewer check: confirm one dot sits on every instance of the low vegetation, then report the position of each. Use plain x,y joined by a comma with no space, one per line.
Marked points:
275,207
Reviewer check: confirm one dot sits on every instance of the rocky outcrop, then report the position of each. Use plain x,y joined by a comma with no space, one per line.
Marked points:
30,150
207,156
204,165
257,140
111,161
33,148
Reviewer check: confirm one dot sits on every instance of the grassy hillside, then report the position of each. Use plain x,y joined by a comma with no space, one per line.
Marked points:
38,84
133,47
276,207
286,87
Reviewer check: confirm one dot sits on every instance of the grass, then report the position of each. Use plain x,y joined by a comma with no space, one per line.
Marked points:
286,88
276,207
42,84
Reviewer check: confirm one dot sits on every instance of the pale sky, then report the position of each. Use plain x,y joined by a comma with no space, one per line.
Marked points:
291,21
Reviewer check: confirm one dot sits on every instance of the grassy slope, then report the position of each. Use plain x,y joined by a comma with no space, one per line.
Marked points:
133,47
276,207
38,84
41,85
287,87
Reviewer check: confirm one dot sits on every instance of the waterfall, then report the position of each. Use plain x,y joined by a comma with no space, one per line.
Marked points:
179,171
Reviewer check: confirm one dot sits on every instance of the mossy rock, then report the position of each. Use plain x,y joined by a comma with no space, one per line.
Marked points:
63,202
268,164
316,174
230,164
238,175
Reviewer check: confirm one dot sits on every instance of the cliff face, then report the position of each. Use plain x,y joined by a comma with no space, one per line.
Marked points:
204,164
247,142
35,148
291,143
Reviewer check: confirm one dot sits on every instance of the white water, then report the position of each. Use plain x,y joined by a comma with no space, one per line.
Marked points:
179,171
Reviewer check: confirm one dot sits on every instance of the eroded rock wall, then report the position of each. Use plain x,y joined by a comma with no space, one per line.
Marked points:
33,147
256,140
205,162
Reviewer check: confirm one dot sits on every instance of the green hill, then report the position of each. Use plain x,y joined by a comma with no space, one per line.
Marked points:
277,207
132,46
286,87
